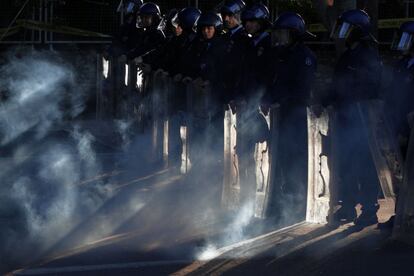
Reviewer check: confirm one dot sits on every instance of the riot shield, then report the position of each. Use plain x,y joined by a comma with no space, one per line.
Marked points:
321,176
383,145
262,161
246,168
159,112
107,87
404,220
231,185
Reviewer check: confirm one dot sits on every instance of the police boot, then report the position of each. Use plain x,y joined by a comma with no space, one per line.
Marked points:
367,217
342,215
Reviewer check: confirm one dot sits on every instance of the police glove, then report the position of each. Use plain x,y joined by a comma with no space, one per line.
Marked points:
138,60
178,78
187,80
317,109
123,58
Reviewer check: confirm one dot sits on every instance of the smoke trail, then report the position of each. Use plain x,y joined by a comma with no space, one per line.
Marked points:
44,155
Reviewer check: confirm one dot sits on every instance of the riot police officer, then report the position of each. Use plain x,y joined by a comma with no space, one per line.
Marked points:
185,25
292,67
203,68
170,56
356,80
236,42
149,18
256,22
401,93
128,35
204,54
252,126
399,97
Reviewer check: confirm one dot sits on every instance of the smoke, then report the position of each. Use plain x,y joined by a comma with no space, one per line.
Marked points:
45,153
67,182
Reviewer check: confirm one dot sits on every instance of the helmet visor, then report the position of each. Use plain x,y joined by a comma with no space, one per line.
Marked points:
342,30
130,8
174,21
281,37
402,42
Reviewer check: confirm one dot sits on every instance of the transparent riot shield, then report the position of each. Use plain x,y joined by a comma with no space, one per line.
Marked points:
121,82
231,184
105,87
262,170
321,170
404,220
246,167
383,145
159,115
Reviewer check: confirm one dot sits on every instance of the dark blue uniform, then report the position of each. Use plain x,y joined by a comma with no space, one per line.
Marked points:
256,71
400,96
291,78
127,38
148,41
357,78
252,126
236,45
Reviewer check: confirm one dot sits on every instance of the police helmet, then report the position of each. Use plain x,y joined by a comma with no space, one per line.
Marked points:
353,21
256,12
149,9
187,18
232,7
289,27
210,19
404,39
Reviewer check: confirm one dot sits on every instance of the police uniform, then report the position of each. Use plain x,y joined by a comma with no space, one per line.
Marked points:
357,78
256,72
292,75
236,43
400,97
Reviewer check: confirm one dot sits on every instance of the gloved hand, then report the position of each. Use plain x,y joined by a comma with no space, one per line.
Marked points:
178,78
265,108
123,59
317,109
138,60
232,105
187,80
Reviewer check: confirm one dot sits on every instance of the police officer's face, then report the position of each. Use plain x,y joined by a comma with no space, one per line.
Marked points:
252,27
178,30
146,20
230,21
208,32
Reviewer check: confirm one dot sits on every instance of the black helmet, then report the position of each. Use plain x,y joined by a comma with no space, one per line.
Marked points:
232,7
289,27
353,20
150,9
405,39
291,21
210,19
187,18
256,12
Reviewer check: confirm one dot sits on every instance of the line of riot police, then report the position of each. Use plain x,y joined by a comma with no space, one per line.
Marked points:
237,64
